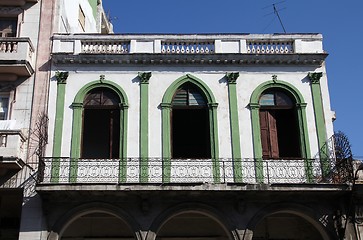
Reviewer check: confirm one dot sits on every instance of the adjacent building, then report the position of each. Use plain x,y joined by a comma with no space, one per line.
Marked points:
26,28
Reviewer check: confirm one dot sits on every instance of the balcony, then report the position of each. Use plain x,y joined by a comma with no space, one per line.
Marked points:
17,2
219,49
12,146
16,58
54,171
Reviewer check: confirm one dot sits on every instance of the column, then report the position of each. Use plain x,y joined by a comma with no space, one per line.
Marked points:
144,125
319,120
58,125
234,125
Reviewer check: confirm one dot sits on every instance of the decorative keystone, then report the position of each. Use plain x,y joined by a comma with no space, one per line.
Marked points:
274,78
315,77
61,76
232,77
144,77
102,78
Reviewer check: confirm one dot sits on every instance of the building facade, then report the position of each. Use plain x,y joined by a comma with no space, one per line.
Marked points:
206,136
26,27
191,136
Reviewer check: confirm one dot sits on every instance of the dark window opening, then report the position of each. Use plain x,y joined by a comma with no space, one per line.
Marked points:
279,126
8,27
101,125
190,124
10,213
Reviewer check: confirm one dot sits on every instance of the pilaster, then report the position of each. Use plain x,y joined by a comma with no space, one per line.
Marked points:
234,125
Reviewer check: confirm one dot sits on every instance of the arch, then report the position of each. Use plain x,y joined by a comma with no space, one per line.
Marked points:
166,128
295,209
301,120
77,106
192,207
69,217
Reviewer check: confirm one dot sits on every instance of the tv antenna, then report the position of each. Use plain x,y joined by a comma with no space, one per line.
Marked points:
276,12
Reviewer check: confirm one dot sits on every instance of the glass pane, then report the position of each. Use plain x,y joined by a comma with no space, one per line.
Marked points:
282,99
101,97
267,99
4,103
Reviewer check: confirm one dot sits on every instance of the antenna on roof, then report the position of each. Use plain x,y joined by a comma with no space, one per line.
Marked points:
276,12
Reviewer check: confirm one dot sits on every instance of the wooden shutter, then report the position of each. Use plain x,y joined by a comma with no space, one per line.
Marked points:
274,144
264,134
269,139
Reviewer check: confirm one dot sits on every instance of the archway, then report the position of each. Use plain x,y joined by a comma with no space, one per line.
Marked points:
192,225
286,226
97,225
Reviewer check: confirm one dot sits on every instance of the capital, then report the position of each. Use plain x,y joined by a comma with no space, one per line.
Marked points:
315,77
61,76
144,77
232,77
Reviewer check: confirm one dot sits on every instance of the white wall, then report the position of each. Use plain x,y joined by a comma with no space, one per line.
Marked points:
162,77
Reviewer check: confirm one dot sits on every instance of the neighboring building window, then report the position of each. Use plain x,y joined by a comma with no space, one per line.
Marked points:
4,107
190,124
82,19
279,125
8,27
101,124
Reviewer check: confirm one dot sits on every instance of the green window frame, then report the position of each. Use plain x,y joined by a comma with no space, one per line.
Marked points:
77,106
166,107
301,118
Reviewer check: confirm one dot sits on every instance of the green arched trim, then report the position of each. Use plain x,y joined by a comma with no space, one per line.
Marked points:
302,121
166,108
77,106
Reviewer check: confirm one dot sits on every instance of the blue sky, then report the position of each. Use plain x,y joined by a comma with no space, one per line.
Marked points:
340,22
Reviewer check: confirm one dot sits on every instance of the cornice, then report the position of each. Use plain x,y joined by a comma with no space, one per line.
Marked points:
315,59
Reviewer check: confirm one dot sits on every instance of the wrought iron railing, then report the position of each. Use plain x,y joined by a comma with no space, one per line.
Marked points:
158,170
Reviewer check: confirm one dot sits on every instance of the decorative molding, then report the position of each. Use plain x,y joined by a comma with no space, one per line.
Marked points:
61,77
144,77
102,78
10,11
274,78
315,59
232,77
315,77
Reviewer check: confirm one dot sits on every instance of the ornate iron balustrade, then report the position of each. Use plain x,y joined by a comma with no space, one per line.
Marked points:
157,170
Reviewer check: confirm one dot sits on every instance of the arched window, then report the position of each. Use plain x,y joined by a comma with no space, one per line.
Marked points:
101,124
280,136
190,133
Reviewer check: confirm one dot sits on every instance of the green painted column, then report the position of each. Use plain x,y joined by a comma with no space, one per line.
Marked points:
166,148
304,140
144,125
234,125
319,120
123,142
257,146
213,126
76,141
58,125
